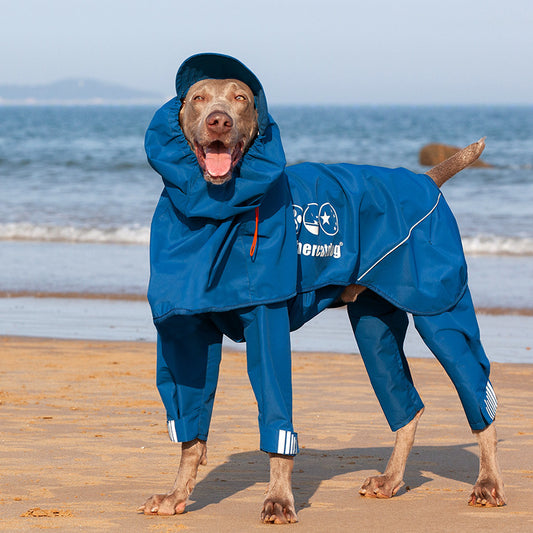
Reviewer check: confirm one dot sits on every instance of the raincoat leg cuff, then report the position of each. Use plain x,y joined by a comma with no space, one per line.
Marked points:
396,423
181,431
482,415
280,441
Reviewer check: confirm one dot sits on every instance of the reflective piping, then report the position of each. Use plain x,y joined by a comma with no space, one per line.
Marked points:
405,240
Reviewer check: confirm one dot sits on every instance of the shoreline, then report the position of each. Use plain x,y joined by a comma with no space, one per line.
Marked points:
506,337
228,347
130,297
90,428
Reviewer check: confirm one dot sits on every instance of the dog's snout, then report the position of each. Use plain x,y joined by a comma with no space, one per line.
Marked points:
219,122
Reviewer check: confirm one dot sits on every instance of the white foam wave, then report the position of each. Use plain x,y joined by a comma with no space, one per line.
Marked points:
474,245
116,235
497,245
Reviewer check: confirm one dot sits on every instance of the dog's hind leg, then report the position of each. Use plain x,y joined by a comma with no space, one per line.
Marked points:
453,337
379,328
388,484
457,162
193,454
488,490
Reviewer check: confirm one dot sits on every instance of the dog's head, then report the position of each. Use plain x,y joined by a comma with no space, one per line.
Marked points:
219,121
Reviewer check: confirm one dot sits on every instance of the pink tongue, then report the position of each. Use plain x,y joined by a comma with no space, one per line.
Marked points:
218,164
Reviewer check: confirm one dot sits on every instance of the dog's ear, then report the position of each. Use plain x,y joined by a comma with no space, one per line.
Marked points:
182,105
180,112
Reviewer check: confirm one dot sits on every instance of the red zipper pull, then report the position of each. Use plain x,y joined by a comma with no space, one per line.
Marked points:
254,242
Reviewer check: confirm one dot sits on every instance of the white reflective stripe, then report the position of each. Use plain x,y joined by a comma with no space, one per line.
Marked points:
491,402
288,443
171,426
491,394
490,410
405,240
294,445
281,441
491,397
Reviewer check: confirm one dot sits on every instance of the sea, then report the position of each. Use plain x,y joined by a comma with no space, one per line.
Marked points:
77,196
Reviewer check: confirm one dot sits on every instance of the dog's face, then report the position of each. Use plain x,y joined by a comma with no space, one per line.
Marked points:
219,121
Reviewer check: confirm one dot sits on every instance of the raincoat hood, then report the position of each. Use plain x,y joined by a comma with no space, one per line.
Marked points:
171,156
218,247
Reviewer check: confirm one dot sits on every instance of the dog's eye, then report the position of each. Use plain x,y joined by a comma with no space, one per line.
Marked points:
241,98
198,98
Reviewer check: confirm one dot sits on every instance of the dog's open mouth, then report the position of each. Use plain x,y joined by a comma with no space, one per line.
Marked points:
217,161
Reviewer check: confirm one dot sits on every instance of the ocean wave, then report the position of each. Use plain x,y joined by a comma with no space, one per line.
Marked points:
114,235
87,164
497,245
134,234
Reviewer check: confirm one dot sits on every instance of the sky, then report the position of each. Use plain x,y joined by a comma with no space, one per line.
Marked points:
303,51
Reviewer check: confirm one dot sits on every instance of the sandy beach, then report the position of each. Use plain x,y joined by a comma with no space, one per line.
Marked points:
84,443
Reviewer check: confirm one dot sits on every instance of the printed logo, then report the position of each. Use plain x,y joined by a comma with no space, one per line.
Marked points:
328,219
315,220
311,219
298,217
319,250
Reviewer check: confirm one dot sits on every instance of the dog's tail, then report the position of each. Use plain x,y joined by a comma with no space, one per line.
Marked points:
442,172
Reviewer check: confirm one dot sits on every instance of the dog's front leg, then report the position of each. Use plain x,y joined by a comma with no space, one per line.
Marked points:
193,454
488,490
388,484
278,507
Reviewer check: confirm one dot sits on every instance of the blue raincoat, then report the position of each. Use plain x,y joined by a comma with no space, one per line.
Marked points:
388,229
319,228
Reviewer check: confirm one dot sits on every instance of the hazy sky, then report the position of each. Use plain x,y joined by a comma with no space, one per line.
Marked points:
329,51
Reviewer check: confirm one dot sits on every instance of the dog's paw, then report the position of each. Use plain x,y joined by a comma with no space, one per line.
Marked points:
278,512
380,487
487,493
163,505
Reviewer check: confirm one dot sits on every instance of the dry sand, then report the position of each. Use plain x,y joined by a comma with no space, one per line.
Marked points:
83,443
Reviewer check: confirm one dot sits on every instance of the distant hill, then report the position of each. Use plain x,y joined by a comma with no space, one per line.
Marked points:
74,91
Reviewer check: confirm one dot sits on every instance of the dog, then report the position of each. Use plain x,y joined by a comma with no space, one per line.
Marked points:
220,121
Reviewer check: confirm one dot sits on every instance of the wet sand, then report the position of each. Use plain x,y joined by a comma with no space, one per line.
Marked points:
84,443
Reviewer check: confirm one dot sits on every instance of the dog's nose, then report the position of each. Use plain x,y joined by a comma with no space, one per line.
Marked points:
219,122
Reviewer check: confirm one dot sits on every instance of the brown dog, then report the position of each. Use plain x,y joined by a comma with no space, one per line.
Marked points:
219,121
